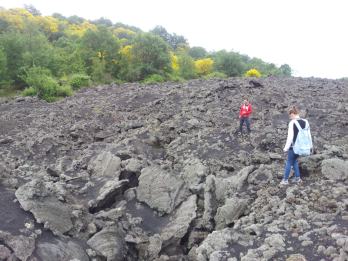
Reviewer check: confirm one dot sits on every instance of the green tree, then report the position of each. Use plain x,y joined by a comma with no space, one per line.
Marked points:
229,63
100,43
149,55
3,25
36,46
4,76
287,71
126,26
187,67
245,58
100,21
31,9
13,49
59,16
161,32
197,53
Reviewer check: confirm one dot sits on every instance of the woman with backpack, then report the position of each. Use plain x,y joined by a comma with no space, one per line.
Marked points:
293,144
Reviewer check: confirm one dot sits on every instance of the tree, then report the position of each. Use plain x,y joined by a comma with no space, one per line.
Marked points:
5,80
229,63
197,52
31,9
177,39
59,16
36,46
101,20
13,49
183,47
150,55
161,32
99,43
126,26
245,58
187,67
3,25
287,71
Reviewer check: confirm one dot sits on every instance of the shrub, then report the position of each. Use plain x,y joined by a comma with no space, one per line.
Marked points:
176,78
31,91
43,86
64,91
154,78
78,81
215,74
253,73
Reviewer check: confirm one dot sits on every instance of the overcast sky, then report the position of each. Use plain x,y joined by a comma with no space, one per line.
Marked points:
310,36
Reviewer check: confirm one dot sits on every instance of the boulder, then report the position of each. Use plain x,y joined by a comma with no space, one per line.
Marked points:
160,189
176,230
335,169
45,206
109,243
230,212
61,249
106,165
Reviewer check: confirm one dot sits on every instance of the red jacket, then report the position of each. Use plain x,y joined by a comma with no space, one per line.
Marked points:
248,109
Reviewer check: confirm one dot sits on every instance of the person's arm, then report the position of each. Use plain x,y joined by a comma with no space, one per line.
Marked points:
290,137
240,112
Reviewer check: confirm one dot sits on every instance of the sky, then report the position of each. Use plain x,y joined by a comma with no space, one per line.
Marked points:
308,35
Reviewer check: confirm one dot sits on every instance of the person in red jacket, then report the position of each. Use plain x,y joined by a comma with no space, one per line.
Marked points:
244,113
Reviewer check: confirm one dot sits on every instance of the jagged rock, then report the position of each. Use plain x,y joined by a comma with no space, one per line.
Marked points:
226,187
109,243
106,165
296,257
220,241
210,203
230,212
60,249
160,190
134,165
335,169
276,240
45,206
22,246
260,176
193,172
108,190
176,230
4,252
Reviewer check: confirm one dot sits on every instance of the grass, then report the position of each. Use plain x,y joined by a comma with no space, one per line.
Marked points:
8,93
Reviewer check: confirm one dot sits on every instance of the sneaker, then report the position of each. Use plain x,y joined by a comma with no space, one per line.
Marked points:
284,182
297,180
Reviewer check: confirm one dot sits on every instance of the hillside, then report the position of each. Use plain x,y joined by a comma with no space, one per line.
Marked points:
157,172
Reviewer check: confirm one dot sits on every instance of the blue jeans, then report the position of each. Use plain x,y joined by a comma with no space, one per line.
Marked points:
247,123
292,161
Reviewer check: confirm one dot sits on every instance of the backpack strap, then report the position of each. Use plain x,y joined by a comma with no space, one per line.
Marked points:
298,125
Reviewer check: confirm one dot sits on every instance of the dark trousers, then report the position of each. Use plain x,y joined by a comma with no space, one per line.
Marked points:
247,123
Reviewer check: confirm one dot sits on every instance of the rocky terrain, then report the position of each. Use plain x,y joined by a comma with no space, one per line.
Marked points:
158,172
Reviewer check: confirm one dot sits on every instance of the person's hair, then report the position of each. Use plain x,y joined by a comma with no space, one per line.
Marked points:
294,110
246,99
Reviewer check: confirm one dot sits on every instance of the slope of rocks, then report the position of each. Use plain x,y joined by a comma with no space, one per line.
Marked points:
158,172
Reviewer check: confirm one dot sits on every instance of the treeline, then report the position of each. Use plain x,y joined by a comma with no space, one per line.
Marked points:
53,55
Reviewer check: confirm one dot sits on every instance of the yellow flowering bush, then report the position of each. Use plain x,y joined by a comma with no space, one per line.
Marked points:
203,67
253,73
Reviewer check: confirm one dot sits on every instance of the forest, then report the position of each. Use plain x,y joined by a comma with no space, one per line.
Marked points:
53,56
